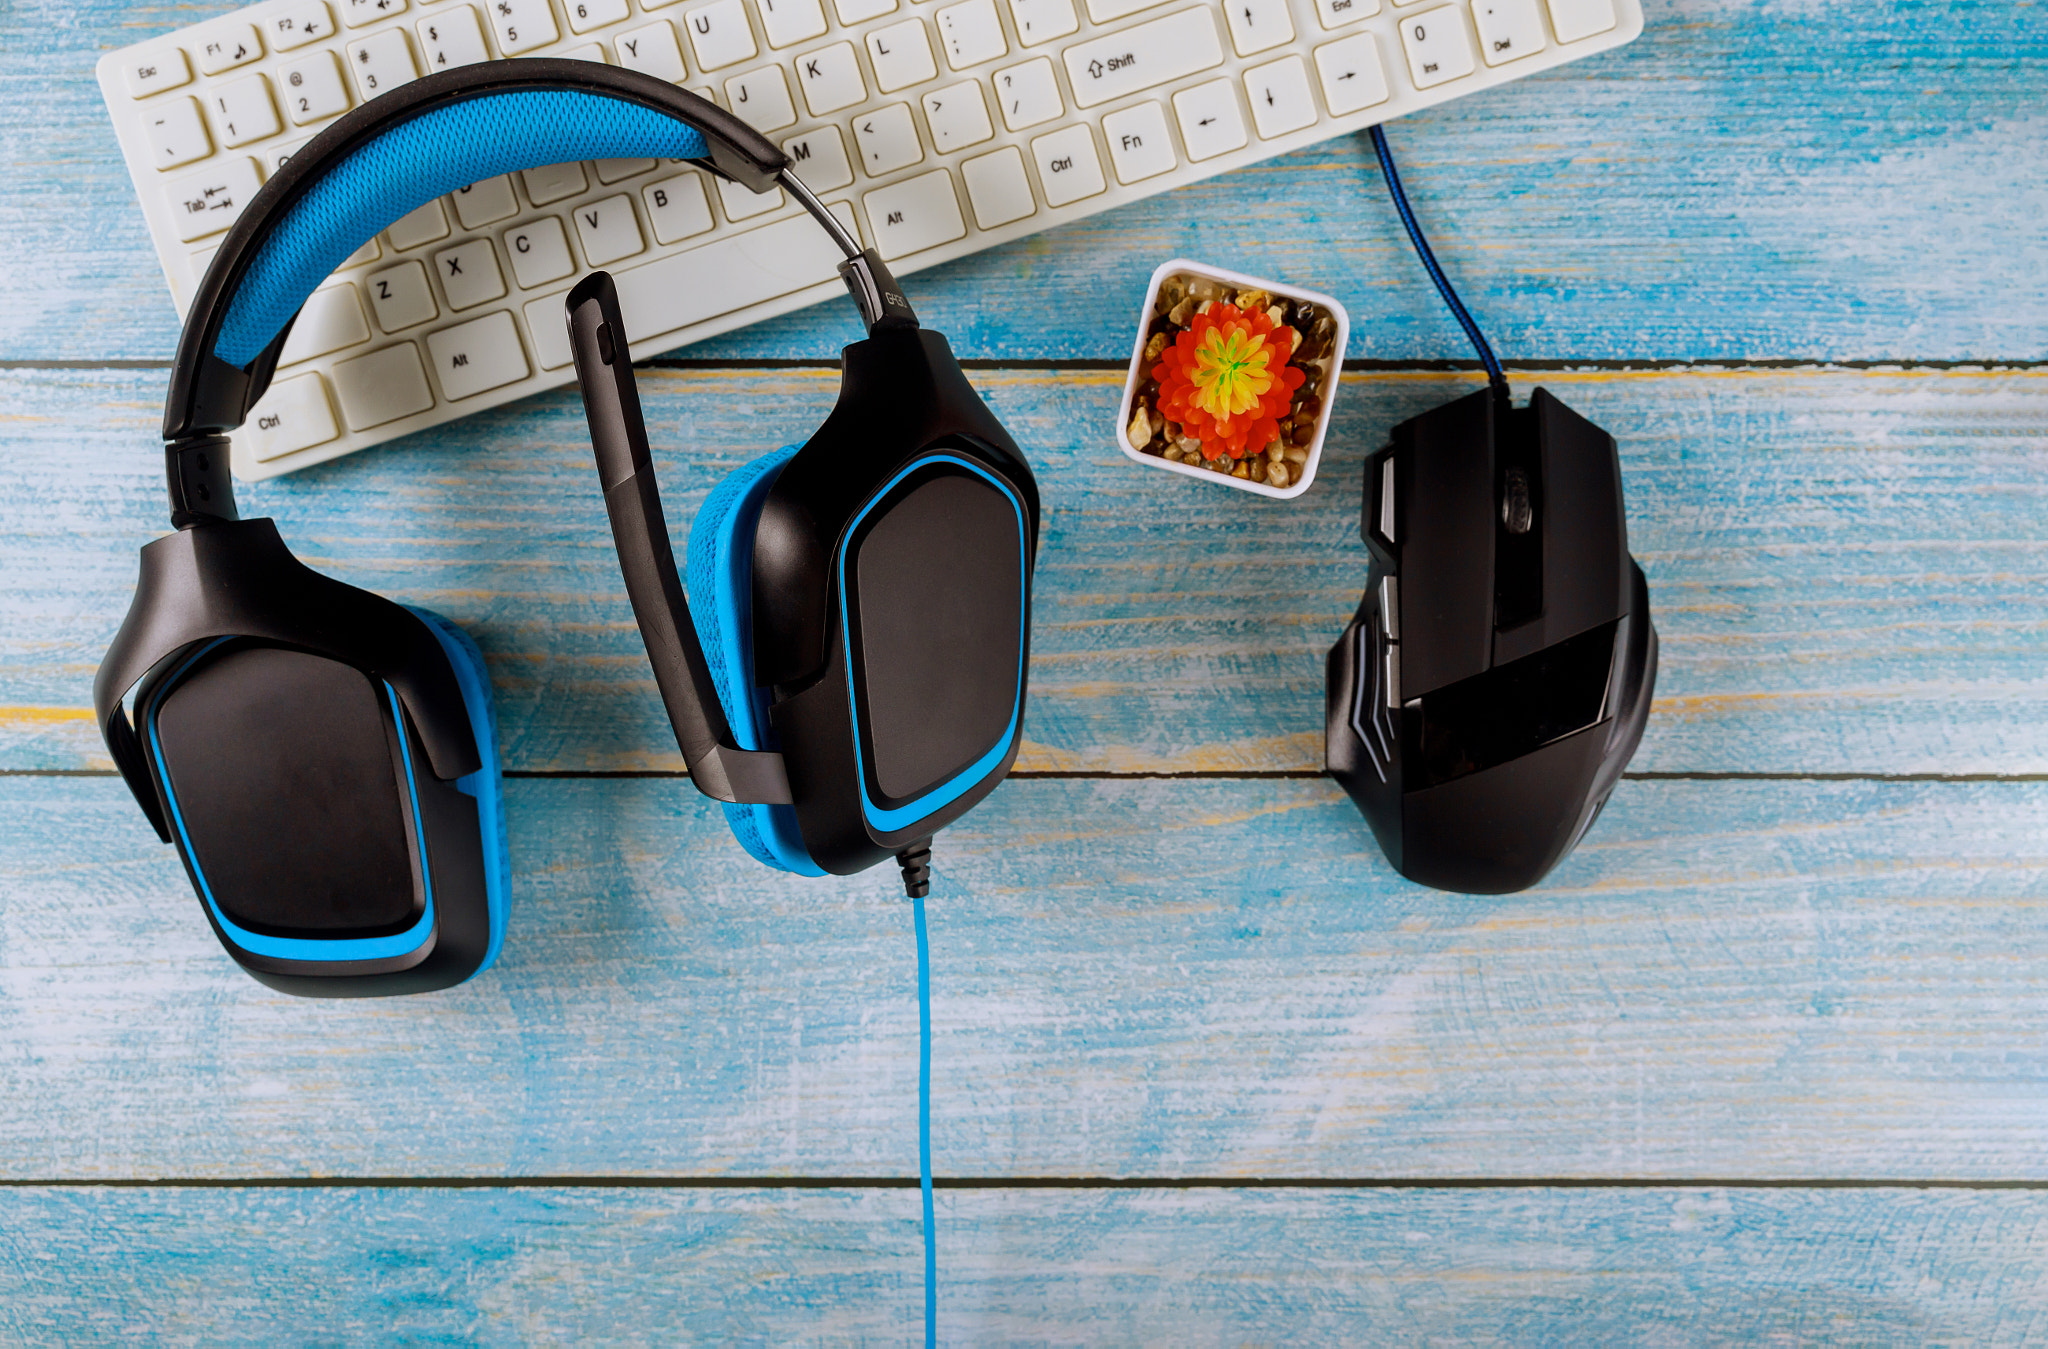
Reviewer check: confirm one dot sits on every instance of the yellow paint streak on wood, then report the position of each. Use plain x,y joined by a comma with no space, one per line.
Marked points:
1279,753
41,718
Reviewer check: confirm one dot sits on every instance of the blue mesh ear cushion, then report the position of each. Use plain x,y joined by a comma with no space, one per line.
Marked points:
719,577
484,784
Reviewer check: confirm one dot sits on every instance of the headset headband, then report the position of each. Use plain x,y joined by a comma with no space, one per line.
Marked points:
401,150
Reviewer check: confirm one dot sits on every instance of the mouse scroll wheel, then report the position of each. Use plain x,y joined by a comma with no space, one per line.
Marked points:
1516,512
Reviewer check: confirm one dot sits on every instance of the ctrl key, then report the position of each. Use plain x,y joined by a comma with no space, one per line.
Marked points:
294,415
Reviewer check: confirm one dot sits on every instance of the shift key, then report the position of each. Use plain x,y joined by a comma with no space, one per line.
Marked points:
1137,58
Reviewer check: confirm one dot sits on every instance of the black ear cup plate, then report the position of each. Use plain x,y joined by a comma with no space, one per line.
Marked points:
938,633
293,792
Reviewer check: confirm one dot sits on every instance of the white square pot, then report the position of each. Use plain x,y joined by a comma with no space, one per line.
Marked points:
1326,389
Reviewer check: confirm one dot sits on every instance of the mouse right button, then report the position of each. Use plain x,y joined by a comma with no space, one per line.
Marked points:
1585,533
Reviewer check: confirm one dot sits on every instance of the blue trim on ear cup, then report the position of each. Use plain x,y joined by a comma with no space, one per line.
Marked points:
417,161
719,578
485,785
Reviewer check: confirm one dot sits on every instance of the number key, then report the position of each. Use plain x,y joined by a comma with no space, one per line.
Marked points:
381,62
585,15
452,37
313,88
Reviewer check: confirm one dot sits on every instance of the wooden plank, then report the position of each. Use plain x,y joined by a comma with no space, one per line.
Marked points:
1846,566
1787,980
1186,1267
1744,181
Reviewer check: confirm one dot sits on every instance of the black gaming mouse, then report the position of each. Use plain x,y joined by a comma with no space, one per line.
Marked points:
1498,674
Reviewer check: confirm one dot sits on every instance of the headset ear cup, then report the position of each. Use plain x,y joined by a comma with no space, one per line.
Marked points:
486,785
719,579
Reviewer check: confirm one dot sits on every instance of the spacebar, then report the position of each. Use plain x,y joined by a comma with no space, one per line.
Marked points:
673,292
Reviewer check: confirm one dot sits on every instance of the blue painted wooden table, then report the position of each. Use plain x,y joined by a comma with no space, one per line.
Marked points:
1765,1057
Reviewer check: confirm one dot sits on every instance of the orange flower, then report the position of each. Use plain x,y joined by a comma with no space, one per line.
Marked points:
1226,380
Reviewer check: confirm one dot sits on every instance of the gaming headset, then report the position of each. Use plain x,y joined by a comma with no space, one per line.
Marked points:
325,760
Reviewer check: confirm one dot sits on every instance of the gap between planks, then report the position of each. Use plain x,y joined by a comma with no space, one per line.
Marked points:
1130,1183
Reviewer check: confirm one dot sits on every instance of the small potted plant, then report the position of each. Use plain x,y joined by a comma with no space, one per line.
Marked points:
1232,378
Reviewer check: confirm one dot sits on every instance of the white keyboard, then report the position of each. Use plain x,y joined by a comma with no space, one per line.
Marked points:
933,128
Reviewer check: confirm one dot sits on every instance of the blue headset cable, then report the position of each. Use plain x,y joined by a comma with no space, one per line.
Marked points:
916,861
1494,376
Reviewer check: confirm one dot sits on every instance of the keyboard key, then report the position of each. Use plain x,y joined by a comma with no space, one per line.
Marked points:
539,252
913,215
1068,166
1577,20
887,139
382,386
469,274
592,52
1280,98
314,89
400,297
1258,25
152,74
1043,20
998,188
552,182
723,275
1139,146
485,203
971,33
585,15
522,25
422,226
381,61
1104,11
547,325
453,37
787,21
901,55
478,355
230,47
1508,29
819,158
208,201
293,415
356,13
831,79
677,207
296,25
719,35
619,170
608,230
1139,58
177,134
760,98
651,50
243,112
1028,94
1352,75
332,318
860,11
1436,47
957,116
743,203
1210,123
1337,13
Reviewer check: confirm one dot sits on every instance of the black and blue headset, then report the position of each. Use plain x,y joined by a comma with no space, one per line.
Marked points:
325,760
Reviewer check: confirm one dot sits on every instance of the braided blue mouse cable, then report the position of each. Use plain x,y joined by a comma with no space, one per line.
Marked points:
924,1120
1494,376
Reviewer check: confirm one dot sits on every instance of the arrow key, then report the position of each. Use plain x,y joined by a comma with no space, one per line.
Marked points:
1210,123
1352,75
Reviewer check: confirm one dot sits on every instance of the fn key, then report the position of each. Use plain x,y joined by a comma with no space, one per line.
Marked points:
481,354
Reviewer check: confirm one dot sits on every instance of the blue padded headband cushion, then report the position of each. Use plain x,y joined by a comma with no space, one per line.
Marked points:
416,161
719,577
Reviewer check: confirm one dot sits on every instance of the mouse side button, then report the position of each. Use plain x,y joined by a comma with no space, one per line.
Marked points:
1444,489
